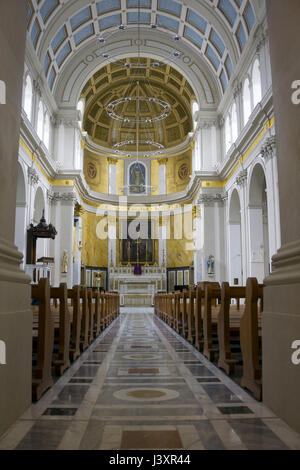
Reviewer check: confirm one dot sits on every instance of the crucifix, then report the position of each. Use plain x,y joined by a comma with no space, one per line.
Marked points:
138,242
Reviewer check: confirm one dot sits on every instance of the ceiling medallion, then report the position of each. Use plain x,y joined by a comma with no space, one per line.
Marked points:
106,38
140,143
112,111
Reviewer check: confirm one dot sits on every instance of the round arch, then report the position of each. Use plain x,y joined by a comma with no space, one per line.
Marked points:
235,240
21,210
258,223
38,209
82,66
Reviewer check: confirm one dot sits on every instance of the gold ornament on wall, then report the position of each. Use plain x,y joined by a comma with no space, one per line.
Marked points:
92,170
183,171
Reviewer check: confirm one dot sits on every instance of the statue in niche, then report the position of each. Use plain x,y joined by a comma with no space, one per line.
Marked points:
211,264
128,249
65,262
137,178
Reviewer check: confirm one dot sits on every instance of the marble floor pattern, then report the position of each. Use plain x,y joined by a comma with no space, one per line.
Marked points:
141,386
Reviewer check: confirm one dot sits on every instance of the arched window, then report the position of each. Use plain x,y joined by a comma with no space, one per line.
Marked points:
137,178
40,120
28,97
247,101
256,83
234,123
47,131
80,107
195,109
228,140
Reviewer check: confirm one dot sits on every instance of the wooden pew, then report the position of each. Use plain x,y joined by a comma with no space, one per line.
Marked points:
84,336
229,324
191,315
43,341
74,295
183,312
212,294
97,313
177,311
198,312
90,316
62,326
250,338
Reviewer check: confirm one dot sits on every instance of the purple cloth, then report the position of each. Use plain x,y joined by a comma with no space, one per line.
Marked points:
137,269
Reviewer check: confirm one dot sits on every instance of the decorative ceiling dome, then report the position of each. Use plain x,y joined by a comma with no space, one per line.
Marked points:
156,88
217,30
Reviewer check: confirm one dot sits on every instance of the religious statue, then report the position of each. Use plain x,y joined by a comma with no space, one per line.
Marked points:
128,249
137,178
65,261
211,264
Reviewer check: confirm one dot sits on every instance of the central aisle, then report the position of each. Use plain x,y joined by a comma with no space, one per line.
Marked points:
141,386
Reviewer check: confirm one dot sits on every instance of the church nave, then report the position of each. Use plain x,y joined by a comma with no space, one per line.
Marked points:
142,386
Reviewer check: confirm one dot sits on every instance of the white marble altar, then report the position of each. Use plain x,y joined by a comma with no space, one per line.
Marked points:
137,290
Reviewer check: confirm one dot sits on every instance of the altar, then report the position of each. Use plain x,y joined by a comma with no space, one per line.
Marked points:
137,290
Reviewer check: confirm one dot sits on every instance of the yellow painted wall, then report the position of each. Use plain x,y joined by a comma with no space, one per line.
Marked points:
174,183
94,251
180,251
100,182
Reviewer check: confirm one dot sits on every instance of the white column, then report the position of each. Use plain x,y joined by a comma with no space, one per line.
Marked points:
242,183
77,254
112,175
281,316
20,230
198,242
15,291
63,220
162,180
213,218
270,157
67,139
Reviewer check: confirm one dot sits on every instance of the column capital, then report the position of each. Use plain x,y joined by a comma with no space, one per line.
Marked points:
241,179
112,161
162,161
65,197
33,177
211,199
268,149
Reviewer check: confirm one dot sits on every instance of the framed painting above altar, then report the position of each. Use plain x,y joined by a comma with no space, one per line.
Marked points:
140,250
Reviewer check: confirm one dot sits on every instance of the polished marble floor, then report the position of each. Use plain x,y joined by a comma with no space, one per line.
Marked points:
141,386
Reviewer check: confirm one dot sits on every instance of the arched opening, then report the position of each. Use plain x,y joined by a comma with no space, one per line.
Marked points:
137,178
28,97
195,110
235,240
228,140
47,131
80,107
247,101
20,223
40,121
234,123
39,207
256,83
258,225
